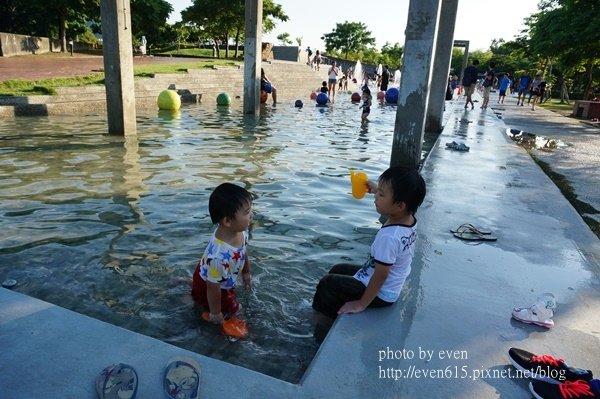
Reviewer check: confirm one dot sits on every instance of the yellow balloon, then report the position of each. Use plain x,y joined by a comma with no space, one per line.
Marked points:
169,100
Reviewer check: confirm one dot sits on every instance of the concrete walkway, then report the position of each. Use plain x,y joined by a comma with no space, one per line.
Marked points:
453,319
574,151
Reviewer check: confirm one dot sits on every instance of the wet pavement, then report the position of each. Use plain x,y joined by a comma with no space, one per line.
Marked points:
569,147
449,334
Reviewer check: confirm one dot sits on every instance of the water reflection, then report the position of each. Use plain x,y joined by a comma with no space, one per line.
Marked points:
534,141
112,227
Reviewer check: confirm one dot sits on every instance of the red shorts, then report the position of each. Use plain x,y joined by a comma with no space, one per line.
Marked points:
229,302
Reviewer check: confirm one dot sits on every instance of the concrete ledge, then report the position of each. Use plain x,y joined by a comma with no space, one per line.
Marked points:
52,352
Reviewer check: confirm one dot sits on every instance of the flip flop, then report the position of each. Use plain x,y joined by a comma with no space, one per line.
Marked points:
232,327
182,378
117,381
469,227
472,236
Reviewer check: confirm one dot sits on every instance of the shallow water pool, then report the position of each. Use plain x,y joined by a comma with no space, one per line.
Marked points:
112,227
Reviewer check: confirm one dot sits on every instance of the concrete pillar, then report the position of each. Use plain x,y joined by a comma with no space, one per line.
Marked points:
414,85
118,66
441,66
252,56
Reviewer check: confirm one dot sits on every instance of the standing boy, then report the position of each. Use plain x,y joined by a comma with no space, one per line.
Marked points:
504,84
523,88
469,81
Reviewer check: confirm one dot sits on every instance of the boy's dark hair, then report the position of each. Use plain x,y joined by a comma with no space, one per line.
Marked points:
324,83
226,200
407,184
475,62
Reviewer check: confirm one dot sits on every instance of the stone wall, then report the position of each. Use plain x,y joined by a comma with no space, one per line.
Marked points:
12,44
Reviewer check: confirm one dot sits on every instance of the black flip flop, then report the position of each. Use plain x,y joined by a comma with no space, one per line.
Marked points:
468,227
472,236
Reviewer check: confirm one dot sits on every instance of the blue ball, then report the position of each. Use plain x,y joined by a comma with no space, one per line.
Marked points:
298,104
391,95
322,99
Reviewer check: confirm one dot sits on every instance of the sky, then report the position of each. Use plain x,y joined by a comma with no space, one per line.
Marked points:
479,21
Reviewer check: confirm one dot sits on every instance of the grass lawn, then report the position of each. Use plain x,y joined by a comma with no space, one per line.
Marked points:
558,107
198,52
48,86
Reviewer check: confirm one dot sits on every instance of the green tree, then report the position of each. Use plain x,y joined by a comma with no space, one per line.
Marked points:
568,30
392,55
284,38
148,18
222,20
348,37
57,18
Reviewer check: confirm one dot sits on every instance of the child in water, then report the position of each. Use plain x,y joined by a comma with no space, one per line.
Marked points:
324,88
367,101
230,207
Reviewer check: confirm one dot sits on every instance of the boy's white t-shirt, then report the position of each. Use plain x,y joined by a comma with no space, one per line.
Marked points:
394,246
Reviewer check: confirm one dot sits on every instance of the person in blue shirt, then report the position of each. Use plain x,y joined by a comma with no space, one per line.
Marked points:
523,88
504,85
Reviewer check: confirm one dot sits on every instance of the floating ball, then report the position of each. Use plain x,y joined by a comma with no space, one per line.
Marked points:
223,99
355,97
168,100
298,104
322,99
313,96
391,95
381,95
263,96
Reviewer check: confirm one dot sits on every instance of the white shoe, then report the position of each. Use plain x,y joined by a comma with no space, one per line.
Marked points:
540,313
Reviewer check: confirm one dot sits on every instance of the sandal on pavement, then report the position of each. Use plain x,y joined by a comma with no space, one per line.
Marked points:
182,378
468,235
540,313
538,316
457,146
469,227
117,381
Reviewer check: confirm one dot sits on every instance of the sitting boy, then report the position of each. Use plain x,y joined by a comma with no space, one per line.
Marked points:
324,88
351,288
230,207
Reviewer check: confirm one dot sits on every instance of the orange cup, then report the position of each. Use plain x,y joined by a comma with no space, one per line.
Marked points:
359,184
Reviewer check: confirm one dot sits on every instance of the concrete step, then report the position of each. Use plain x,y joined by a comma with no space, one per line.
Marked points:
292,81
